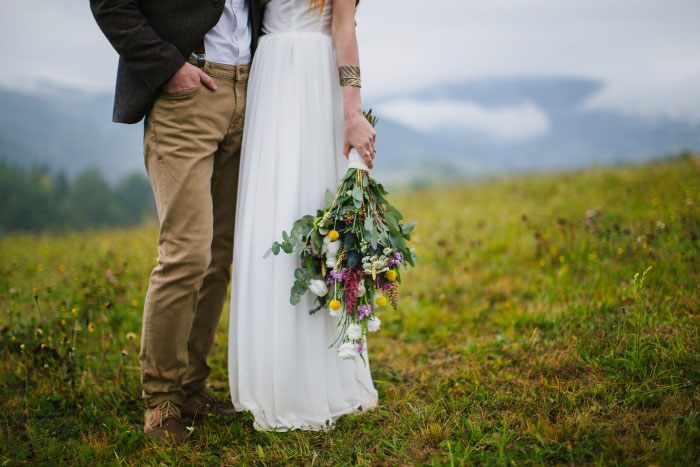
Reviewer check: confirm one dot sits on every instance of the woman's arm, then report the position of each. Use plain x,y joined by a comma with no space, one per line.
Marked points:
359,134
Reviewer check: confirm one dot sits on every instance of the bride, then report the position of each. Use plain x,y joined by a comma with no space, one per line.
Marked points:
304,115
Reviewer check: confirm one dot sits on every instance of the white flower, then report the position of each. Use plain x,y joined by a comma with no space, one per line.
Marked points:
330,261
387,251
373,324
354,331
360,289
318,287
332,248
336,313
347,351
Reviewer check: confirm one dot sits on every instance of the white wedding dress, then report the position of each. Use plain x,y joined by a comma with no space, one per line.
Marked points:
281,367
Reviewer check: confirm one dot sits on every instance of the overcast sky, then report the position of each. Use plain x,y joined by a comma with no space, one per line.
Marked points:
646,51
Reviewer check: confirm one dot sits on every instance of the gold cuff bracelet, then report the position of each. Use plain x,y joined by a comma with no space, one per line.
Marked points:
349,75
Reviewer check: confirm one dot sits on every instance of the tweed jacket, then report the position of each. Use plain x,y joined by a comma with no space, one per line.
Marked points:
154,38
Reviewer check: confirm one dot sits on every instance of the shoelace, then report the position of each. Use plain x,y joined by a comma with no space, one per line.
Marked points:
169,410
209,398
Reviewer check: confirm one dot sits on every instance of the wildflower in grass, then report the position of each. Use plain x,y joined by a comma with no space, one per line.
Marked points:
39,332
13,338
130,336
619,251
91,327
74,311
21,346
62,268
134,303
63,322
124,353
12,290
654,201
660,225
561,258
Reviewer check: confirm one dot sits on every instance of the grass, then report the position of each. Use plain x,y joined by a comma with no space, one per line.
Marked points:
551,320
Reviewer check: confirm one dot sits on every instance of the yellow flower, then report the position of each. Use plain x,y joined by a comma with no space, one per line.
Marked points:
380,301
390,275
21,346
134,303
334,305
74,311
63,322
619,251
91,327
333,235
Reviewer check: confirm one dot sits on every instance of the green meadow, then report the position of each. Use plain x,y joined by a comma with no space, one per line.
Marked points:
551,319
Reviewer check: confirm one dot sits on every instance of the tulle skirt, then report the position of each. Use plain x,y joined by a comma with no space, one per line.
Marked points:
281,365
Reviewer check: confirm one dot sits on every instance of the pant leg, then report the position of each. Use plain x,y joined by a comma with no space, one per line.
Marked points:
224,187
182,134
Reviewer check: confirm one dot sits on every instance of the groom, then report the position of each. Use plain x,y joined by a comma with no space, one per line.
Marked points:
184,67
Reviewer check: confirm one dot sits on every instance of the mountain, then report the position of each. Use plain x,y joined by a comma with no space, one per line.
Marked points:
542,124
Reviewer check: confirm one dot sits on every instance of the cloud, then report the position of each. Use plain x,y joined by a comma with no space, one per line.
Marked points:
646,51
517,122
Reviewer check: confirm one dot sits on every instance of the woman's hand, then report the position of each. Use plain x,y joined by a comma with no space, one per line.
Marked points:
360,135
187,77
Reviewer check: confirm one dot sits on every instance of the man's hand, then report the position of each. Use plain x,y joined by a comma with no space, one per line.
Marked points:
187,77
360,135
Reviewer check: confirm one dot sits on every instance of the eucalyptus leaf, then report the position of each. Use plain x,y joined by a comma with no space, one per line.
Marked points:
275,248
287,247
407,228
316,242
329,198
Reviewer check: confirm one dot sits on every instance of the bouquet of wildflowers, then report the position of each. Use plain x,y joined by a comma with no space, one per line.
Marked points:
351,254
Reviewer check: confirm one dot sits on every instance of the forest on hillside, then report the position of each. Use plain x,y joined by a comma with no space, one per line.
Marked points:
35,199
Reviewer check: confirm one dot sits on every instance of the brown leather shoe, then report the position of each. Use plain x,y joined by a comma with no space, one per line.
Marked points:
164,423
203,404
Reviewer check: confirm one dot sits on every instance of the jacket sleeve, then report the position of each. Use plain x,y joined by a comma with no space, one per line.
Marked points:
142,49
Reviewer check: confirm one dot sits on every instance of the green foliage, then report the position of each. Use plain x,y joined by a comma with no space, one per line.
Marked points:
35,200
522,339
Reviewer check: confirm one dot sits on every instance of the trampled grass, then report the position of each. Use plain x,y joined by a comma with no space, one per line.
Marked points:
522,337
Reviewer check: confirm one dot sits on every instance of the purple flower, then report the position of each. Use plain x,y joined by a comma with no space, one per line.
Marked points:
361,346
364,311
339,275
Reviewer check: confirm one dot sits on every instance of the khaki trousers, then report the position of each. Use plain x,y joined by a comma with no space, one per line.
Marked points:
192,148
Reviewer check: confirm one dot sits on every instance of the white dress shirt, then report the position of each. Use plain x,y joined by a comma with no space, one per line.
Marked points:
229,41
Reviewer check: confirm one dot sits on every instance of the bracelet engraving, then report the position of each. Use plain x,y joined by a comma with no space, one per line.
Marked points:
349,75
